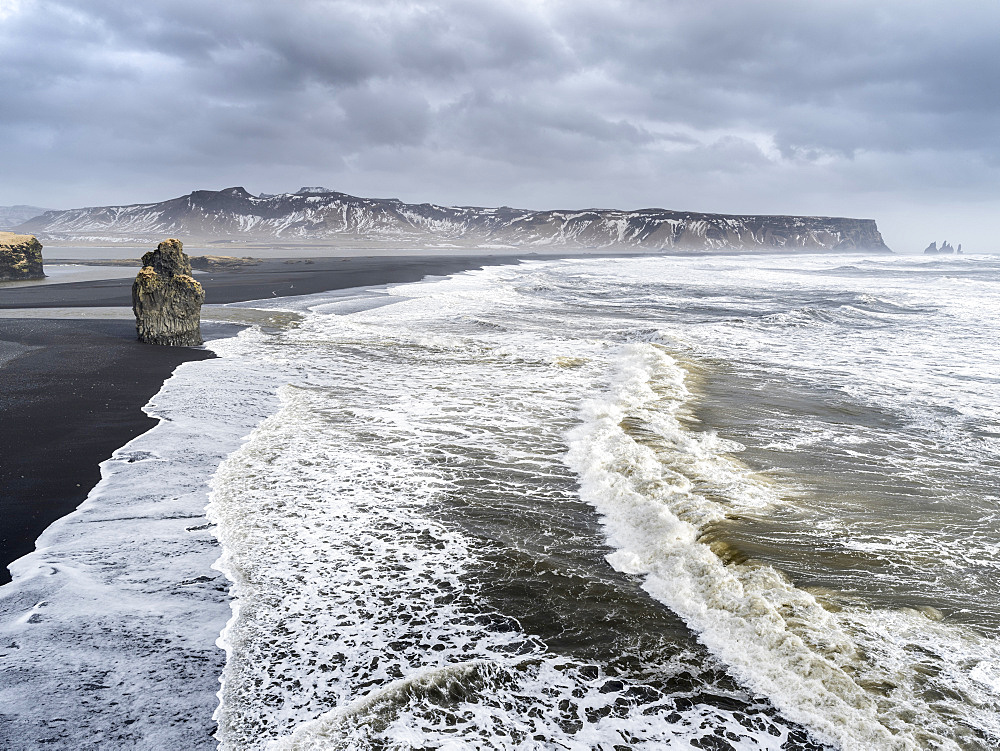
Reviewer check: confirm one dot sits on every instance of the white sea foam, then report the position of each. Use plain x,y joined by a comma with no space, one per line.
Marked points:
357,620
818,667
109,627
384,529
395,398
773,636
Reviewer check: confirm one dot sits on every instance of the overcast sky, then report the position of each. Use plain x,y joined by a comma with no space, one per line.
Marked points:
885,109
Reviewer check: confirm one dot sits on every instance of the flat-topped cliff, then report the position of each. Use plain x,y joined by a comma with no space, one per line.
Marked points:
20,257
326,217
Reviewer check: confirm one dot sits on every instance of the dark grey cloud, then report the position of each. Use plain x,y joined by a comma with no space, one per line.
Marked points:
848,107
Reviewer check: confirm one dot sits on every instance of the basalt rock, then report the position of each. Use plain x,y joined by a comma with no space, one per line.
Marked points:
222,263
946,248
20,257
166,299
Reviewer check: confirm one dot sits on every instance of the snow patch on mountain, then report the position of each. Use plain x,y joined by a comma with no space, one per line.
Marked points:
321,215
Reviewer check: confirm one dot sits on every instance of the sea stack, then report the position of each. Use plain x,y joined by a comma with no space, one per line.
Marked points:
166,299
946,248
20,257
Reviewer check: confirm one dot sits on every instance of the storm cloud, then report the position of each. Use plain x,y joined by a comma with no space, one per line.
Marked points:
887,110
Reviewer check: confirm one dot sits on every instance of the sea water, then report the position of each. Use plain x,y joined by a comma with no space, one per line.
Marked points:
727,503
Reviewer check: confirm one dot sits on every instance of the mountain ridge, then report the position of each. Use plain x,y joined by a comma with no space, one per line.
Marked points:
12,216
317,215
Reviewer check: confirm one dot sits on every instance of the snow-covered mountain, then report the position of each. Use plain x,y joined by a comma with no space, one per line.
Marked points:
323,216
12,216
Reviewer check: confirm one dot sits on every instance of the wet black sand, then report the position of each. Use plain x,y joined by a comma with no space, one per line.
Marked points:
269,278
71,394
72,391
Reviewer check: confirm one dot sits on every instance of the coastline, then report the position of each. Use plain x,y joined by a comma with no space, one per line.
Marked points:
72,391
270,278
109,627
139,546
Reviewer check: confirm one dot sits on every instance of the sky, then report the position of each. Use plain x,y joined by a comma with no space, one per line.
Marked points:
887,110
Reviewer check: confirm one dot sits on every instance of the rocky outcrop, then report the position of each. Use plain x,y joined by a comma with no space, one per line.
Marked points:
166,299
222,263
322,216
945,248
20,257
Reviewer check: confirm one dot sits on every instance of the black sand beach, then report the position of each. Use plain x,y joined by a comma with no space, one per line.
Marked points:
72,391
269,278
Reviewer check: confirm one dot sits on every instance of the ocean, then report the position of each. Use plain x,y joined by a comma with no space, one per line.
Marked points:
729,502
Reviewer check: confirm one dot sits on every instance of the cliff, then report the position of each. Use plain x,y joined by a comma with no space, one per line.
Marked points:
166,299
323,216
20,257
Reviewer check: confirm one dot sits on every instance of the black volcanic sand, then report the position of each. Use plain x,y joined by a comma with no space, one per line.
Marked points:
270,278
72,391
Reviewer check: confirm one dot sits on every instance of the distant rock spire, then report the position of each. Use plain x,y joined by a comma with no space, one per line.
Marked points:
945,248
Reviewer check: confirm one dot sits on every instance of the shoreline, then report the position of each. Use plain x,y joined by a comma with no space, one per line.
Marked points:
81,385
269,278
111,623
72,391
78,549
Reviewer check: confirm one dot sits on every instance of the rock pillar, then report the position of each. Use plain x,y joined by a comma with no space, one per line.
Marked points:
166,299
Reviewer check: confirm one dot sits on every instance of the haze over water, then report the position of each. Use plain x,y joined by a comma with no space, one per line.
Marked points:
729,502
